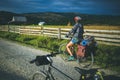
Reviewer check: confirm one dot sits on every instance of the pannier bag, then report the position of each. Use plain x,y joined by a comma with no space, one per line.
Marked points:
85,43
81,51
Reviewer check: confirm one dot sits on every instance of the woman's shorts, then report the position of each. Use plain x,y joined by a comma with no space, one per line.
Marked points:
74,40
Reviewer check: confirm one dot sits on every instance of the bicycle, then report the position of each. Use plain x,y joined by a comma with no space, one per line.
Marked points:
85,62
45,73
92,74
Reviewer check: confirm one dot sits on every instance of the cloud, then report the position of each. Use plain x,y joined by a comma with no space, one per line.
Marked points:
12,5
83,6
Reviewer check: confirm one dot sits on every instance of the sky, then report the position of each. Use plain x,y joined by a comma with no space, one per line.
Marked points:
102,7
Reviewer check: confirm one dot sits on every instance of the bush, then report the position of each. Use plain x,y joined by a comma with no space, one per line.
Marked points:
53,44
13,36
108,56
33,42
42,41
4,35
8,35
48,43
25,38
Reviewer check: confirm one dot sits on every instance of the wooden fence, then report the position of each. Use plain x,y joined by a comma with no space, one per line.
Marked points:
110,37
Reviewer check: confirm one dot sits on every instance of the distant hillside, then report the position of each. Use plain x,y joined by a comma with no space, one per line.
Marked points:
52,18
5,16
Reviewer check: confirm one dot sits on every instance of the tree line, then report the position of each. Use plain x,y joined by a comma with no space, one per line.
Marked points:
54,18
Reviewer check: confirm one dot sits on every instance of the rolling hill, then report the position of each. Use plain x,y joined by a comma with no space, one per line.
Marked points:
53,18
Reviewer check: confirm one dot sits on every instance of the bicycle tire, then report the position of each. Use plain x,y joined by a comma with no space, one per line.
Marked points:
63,51
86,62
39,76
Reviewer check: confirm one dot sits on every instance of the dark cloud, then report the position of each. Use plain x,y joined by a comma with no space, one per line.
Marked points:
82,6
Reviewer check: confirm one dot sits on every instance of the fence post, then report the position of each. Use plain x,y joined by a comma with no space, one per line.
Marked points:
42,30
14,29
19,29
8,27
59,33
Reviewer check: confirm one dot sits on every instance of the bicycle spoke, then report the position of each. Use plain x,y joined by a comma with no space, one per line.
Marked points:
63,51
87,62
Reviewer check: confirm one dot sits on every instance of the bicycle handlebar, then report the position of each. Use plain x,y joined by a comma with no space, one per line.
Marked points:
68,36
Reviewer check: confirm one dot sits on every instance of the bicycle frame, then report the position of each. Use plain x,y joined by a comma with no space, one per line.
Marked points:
47,72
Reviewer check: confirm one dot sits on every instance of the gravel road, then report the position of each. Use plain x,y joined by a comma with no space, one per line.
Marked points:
14,63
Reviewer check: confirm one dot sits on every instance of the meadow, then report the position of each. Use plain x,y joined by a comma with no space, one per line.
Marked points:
97,27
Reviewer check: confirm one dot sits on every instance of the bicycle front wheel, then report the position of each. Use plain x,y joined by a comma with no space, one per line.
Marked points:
63,51
86,62
39,76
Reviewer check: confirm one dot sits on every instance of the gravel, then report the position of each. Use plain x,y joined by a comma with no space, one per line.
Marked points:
14,63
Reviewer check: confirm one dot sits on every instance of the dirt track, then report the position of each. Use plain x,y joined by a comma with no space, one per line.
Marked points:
14,63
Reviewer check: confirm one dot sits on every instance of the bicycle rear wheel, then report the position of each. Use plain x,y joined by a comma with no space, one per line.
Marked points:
39,76
86,62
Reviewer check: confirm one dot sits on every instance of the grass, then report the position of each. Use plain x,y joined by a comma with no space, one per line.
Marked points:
98,27
103,27
106,55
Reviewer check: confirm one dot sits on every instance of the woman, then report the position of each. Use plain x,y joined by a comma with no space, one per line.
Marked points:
77,32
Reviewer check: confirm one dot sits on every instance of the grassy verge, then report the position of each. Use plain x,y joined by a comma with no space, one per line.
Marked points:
105,56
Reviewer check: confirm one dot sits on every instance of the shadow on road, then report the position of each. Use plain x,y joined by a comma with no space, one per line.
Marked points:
62,73
111,77
10,76
91,72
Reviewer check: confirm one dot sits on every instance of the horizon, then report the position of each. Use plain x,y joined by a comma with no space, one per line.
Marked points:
94,7
61,12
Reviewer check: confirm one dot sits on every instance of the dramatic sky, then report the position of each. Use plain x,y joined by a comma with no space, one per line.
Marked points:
107,7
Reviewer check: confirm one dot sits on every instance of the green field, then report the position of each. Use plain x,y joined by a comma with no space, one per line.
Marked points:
97,27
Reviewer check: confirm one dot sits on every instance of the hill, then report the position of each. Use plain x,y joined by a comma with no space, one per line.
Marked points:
52,18
5,16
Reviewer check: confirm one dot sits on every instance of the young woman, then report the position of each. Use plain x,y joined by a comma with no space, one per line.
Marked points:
77,32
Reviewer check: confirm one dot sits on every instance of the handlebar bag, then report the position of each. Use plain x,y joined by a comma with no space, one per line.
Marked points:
41,60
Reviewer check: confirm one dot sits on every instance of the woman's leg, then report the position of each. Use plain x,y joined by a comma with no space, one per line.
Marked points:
69,45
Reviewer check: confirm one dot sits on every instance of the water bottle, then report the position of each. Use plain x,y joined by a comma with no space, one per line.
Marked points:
96,77
83,77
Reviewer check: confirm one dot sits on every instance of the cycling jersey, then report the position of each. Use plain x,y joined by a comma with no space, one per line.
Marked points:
77,31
